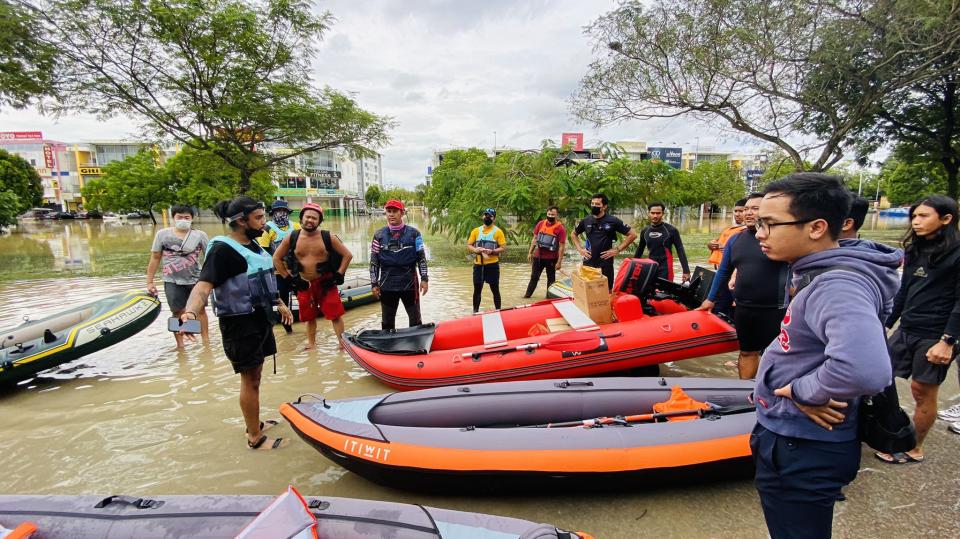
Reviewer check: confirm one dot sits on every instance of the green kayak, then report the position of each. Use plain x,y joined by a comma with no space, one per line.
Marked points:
38,345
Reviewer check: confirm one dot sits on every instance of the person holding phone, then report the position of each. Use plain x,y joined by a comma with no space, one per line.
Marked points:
179,250
240,275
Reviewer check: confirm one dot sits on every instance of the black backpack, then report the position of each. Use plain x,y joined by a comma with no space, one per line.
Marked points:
331,265
881,423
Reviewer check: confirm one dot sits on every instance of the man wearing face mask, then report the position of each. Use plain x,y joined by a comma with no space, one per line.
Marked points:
487,242
240,274
546,249
178,251
601,229
317,266
279,227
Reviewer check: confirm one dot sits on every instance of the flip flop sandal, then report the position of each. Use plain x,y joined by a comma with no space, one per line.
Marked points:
261,440
265,425
898,458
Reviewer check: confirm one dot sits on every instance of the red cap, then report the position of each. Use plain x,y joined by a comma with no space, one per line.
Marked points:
394,204
311,206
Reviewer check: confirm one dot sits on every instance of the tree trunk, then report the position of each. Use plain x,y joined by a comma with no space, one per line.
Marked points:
952,167
152,216
244,185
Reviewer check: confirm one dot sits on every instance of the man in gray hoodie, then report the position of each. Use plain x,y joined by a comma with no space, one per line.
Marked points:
831,350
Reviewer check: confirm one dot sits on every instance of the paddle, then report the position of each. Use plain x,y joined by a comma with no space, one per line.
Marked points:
572,341
624,420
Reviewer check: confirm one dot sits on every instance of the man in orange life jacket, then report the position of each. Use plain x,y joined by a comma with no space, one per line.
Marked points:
546,249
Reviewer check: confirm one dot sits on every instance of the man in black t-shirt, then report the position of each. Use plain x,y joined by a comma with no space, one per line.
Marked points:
601,229
240,273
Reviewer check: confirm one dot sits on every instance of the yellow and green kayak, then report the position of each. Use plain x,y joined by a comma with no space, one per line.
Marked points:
38,345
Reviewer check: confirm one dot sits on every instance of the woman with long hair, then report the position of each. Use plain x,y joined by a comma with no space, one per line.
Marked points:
928,307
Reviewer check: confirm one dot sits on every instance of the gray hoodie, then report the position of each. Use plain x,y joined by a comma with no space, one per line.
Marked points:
832,342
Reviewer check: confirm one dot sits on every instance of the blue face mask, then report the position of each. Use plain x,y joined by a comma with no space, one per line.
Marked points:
282,219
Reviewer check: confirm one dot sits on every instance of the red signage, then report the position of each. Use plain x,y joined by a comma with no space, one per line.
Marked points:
48,156
21,135
574,140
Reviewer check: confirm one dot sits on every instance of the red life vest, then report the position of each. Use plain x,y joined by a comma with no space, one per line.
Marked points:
547,238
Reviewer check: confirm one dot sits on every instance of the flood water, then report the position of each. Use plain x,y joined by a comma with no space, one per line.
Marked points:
142,418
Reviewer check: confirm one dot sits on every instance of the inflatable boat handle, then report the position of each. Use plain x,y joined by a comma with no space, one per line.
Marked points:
139,503
322,400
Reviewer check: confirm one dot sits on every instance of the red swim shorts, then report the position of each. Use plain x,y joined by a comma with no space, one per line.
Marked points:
321,297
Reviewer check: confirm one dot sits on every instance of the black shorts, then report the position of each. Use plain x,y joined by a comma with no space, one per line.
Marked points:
757,327
177,295
908,356
247,339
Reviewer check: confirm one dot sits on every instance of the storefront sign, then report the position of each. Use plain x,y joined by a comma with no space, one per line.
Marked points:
48,156
90,171
21,135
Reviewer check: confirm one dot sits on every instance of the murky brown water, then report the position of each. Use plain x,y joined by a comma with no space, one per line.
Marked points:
141,418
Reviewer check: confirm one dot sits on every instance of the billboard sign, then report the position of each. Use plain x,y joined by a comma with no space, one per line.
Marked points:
21,135
574,140
670,156
91,171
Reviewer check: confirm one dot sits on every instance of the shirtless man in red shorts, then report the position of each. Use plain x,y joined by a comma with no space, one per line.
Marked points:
321,261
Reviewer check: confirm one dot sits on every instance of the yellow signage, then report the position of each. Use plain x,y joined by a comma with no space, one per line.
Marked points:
90,171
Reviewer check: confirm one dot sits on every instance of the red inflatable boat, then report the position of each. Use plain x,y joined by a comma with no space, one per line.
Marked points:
549,339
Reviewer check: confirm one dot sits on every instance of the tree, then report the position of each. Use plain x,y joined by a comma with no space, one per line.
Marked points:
907,183
21,179
372,196
225,76
136,183
757,66
26,62
201,178
715,182
924,113
9,208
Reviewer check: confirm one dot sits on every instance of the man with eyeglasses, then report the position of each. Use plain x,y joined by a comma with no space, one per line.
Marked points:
759,292
831,351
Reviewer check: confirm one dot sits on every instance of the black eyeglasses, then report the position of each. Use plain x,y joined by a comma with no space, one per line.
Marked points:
765,226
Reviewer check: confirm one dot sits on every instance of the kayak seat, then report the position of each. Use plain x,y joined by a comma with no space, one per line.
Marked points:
494,334
38,329
406,341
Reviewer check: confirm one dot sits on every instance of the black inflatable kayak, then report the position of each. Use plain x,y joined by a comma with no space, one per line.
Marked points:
37,345
214,517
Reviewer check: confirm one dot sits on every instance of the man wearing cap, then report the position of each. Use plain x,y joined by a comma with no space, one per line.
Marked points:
487,242
398,267
317,266
279,227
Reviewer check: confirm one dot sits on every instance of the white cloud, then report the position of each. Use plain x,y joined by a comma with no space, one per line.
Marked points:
451,73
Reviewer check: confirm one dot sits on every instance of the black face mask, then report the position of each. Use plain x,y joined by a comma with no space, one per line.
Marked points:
551,220
253,234
596,210
488,221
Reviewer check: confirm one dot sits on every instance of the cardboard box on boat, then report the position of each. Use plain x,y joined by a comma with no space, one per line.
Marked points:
592,295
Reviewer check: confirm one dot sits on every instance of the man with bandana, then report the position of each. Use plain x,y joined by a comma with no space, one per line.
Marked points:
240,275
398,267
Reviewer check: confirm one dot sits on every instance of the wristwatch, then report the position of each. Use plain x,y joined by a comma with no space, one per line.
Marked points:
949,339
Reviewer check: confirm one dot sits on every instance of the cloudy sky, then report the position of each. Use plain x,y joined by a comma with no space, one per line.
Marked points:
451,73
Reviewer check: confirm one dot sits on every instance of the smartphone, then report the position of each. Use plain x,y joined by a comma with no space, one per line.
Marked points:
190,326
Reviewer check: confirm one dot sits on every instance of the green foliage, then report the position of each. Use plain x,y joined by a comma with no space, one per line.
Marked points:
202,178
21,179
521,185
223,76
26,62
372,196
136,183
9,208
393,192
906,183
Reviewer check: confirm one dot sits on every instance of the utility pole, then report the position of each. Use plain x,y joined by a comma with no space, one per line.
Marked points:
860,185
494,143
